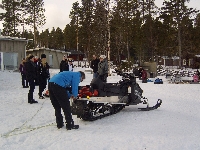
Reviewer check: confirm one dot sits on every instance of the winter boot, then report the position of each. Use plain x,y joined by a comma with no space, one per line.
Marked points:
41,97
60,125
33,101
59,121
71,125
30,99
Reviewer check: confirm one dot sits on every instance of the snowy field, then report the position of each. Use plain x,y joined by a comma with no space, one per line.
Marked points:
173,126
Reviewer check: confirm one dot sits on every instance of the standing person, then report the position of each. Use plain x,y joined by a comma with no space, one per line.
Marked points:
196,77
70,64
64,64
22,69
31,76
144,76
136,72
36,61
198,72
103,68
58,87
43,74
140,73
94,66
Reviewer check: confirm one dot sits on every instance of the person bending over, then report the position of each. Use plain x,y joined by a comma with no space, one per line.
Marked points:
59,94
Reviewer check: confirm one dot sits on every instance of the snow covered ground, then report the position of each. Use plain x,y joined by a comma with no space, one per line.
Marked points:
174,126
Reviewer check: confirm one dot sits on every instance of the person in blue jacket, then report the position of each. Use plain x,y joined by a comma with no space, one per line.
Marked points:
59,92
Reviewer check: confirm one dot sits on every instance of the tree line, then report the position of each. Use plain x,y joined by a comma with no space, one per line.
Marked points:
133,29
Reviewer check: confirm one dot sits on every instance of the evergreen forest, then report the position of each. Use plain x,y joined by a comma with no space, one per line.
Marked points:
128,29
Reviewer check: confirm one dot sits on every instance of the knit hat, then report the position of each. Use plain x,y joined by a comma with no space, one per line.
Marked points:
30,57
102,56
43,56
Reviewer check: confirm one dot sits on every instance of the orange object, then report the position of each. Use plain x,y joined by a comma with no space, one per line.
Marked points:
85,91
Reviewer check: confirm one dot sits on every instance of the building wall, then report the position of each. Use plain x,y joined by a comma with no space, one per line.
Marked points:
54,57
150,67
10,61
14,46
169,62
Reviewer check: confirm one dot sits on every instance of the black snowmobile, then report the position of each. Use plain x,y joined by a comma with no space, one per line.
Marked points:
100,99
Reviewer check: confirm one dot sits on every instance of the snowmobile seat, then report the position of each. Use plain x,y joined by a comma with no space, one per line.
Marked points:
108,89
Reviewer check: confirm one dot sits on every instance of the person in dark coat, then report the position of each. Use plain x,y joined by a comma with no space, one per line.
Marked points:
103,68
22,69
36,61
64,64
71,65
136,71
59,93
43,74
31,76
94,66
198,73
144,76
140,73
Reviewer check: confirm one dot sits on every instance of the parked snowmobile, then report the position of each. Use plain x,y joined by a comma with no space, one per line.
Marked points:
101,99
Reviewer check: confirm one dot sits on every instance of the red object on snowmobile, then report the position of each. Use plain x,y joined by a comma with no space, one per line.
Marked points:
85,91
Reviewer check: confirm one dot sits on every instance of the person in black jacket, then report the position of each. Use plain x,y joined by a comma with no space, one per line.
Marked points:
94,66
43,74
71,65
22,69
64,64
36,60
31,76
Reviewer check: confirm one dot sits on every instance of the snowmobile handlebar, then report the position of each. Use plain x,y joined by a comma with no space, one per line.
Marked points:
125,74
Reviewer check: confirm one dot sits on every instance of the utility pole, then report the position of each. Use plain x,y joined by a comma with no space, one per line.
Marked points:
77,40
108,50
142,44
179,33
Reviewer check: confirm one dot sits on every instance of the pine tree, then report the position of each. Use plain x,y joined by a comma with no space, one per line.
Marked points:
58,37
11,18
69,34
177,11
34,15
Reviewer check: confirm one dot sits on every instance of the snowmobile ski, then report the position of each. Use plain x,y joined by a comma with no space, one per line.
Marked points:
153,107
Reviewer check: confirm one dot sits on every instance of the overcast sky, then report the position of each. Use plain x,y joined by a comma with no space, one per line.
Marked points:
57,12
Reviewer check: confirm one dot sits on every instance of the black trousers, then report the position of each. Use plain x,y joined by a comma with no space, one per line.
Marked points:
60,99
31,90
42,85
103,77
24,80
144,80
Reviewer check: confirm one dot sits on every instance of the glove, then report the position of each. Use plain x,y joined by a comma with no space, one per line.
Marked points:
74,99
106,75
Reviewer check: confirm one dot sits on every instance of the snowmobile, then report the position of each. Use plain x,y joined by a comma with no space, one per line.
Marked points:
100,99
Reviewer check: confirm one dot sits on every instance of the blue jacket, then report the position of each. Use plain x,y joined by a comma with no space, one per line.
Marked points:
67,79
